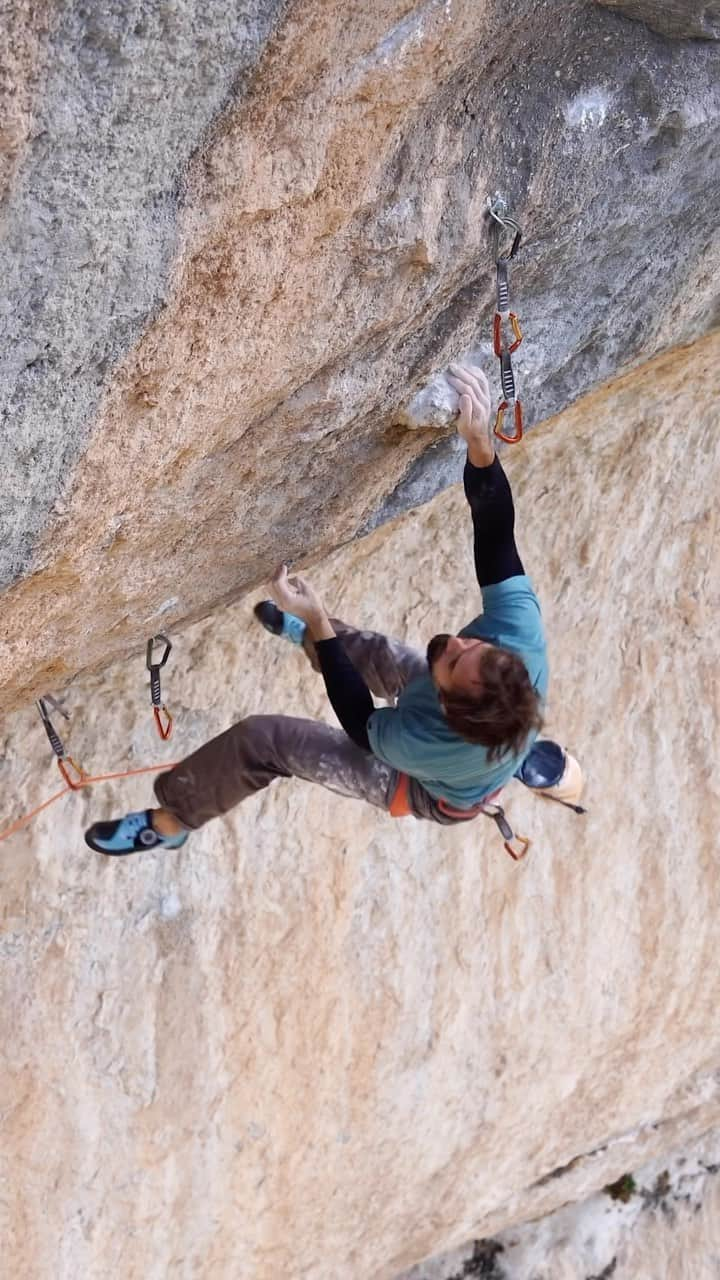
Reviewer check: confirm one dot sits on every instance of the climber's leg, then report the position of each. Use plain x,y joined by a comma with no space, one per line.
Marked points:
242,760
251,754
386,665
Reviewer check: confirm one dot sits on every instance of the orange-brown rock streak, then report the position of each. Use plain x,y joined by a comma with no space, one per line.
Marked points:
232,435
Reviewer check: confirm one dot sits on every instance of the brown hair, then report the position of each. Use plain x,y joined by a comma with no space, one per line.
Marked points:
503,712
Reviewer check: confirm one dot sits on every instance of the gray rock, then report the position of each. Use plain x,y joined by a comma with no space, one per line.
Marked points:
608,141
680,19
89,228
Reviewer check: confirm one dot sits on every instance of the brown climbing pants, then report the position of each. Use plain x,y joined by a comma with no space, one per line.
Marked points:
251,754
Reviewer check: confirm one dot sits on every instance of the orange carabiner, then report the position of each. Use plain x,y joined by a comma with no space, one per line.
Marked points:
524,844
498,333
497,429
164,729
74,783
515,323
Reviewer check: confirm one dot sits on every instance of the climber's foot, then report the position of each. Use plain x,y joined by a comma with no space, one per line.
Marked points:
131,834
280,623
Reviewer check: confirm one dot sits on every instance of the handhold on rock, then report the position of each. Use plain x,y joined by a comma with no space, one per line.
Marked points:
436,405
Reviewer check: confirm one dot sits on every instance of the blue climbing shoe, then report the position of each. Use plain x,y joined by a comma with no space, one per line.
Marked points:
131,834
279,623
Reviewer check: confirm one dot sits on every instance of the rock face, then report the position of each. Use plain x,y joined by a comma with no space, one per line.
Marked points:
239,241
681,19
321,1043
661,1221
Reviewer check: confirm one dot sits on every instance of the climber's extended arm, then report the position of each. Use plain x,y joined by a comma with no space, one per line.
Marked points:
488,492
486,485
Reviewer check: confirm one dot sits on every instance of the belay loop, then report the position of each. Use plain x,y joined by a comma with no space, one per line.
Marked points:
163,718
72,773
503,225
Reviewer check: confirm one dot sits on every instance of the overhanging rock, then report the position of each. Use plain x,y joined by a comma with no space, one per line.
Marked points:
235,247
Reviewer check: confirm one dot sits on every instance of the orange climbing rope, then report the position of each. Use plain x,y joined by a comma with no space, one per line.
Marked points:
84,781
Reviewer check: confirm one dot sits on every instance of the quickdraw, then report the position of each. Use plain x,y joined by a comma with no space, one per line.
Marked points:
73,775
65,763
502,224
163,718
514,844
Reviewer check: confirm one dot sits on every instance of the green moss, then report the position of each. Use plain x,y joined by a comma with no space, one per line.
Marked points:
624,1189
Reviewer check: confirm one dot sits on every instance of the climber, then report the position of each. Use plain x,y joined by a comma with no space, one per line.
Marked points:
465,716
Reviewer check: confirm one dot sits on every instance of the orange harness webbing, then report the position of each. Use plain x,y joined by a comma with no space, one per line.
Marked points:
516,846
400,803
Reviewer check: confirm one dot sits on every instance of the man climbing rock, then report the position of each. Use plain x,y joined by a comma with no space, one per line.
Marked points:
464,717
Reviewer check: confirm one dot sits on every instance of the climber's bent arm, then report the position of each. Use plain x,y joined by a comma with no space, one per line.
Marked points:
349,695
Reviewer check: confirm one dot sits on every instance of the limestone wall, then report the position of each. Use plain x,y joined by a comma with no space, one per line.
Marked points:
657,1221
321,1043
238,239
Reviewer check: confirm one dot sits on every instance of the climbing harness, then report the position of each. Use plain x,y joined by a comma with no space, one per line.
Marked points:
501,225
548,770
70,771
517,846
163,725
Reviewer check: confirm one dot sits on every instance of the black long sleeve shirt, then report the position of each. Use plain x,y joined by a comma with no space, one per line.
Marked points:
349,695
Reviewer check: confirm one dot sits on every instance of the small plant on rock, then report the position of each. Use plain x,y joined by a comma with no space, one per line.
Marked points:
623,1189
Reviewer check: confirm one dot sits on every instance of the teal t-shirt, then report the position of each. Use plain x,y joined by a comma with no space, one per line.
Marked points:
415,737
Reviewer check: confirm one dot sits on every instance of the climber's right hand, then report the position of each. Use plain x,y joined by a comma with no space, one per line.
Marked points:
474,408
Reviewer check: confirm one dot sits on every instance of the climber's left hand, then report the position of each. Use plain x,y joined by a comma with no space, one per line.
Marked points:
296,595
